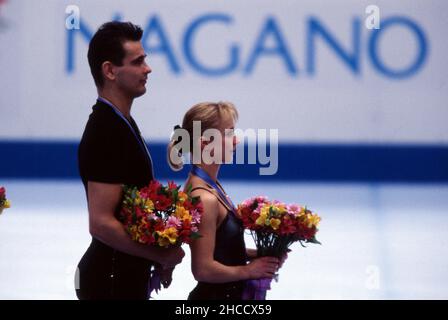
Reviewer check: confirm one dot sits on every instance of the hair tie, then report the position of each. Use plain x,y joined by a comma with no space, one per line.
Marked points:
179,138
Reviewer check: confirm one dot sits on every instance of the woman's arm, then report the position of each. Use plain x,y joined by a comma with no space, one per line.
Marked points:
205,268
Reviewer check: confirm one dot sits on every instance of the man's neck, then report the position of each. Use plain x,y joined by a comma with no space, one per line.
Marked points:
122,102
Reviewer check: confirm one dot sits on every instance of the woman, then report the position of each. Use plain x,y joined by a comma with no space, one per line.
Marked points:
219,257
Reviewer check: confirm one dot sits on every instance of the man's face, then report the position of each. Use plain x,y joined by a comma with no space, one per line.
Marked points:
132,75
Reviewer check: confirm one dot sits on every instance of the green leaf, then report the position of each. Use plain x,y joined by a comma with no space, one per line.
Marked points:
195,235
175,195
195,200
314,240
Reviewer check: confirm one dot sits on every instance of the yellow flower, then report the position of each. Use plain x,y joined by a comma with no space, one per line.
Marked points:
163,242
6,204
133,230
265,210
261,220
167,236
275,223
141,228
300,214
182,214
279,209
182,196
149,205
313,220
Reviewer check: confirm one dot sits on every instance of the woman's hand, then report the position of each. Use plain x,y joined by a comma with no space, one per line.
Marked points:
264,267
283,258
251,254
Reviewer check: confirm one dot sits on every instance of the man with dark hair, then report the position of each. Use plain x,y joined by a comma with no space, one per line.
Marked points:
112,153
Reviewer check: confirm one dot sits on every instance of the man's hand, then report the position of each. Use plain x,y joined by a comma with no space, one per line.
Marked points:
170,257
166,275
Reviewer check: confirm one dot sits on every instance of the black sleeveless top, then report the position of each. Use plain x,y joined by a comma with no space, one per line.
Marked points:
230,250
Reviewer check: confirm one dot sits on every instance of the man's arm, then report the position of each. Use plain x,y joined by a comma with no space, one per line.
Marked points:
251,253
103,200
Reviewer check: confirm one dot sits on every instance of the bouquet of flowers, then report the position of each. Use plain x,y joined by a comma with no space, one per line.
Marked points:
162,216
4,203
274,226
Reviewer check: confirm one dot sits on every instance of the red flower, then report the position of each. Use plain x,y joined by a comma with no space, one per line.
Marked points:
143,226
188,205
305,233
159,226
287,226
253,217
139,212
148,239
172,186
185,235
151,190
162,202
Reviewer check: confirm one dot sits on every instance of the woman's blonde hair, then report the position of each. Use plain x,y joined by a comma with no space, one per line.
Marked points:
210,114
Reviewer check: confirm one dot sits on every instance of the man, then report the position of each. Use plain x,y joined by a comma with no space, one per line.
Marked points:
113,153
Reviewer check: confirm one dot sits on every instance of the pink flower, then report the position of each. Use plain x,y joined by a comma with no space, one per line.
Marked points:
262,199
173,222
151,216
196,214
293,208
278,203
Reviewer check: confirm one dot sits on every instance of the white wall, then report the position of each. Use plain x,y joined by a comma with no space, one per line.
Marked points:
40,99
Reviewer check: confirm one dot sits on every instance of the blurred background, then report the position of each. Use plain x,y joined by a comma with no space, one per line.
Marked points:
361,115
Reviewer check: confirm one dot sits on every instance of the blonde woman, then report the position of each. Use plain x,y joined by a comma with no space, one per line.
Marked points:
220,261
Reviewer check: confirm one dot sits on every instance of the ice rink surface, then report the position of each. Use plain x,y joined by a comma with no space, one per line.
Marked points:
379,241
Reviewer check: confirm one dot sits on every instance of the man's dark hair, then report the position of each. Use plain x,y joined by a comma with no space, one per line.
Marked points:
107,45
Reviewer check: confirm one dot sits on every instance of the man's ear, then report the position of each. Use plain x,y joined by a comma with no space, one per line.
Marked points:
108,70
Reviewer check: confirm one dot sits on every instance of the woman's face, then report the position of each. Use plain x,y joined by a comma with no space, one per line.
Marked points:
229,139
218,147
